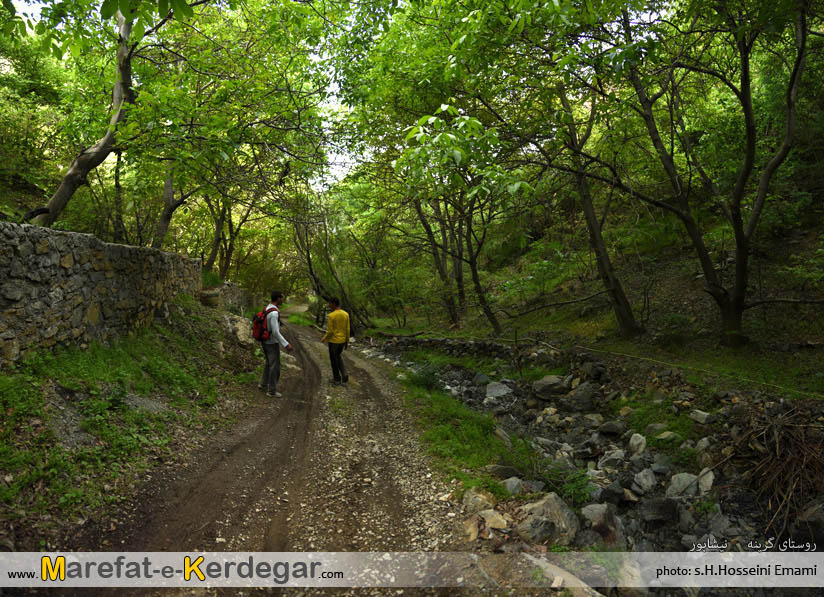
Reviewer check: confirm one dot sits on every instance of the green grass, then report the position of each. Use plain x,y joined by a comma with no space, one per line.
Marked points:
493,367
725,368
211,278
300,319
110,436
463,441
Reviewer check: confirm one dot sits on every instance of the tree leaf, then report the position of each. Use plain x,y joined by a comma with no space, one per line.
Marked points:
108,8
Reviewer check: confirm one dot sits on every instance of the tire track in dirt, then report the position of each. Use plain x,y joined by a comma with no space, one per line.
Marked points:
208,506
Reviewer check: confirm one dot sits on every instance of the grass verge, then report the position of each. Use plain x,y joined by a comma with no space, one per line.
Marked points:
463,441
78,425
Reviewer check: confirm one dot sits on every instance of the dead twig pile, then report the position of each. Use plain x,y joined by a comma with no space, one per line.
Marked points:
784,450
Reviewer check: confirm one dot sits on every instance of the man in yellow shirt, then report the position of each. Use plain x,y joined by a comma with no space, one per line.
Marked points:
337,336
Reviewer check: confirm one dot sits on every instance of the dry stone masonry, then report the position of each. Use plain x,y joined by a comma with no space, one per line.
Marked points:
66,288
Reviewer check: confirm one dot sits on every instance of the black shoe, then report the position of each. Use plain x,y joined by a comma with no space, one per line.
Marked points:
335,382
345,379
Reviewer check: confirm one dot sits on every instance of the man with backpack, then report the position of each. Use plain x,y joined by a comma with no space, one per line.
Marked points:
266,328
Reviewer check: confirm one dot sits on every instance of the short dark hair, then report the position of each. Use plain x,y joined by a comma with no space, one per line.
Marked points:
334,301
276,294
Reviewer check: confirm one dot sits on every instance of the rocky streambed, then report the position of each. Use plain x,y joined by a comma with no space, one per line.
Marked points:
660,486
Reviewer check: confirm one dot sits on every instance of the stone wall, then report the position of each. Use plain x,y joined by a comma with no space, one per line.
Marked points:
235,298
67,288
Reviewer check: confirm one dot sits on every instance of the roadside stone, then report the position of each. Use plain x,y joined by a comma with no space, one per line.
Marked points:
513,485
668,436
500,471
480,379
637,444
654,429
496,389
661,464
594,371
583,398
613,459
493,519
645,481
658,509
682,484
613,493
501,433
594,419
476,500
532,486
613,428
549,519
12,291
705,480
704,418
549,386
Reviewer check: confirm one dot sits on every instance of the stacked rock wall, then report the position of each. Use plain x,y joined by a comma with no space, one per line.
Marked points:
67,288
235,298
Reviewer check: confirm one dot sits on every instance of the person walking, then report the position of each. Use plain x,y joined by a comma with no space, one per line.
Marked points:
337,336
271,347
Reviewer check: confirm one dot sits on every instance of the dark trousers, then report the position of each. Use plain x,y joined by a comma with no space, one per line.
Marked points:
336,358
271,372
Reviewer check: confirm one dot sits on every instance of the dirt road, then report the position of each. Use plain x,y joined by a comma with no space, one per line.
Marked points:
323,468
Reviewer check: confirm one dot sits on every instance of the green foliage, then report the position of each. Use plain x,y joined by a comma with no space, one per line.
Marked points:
211,278
461,439
807,269
573,485
300,319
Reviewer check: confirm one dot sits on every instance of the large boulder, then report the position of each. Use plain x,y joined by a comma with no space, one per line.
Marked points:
548,520
605,522
549,386
683,484
584,398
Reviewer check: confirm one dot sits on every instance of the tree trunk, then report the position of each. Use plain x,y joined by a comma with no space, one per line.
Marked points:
210,262
169,207
627,325
119,232
439,256
91,158
226,259
472,261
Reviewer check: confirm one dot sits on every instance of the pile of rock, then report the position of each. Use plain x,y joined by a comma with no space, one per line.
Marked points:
637,498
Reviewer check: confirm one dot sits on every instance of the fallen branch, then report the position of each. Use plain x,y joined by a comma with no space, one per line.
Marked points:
388,335
546,306
785,300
